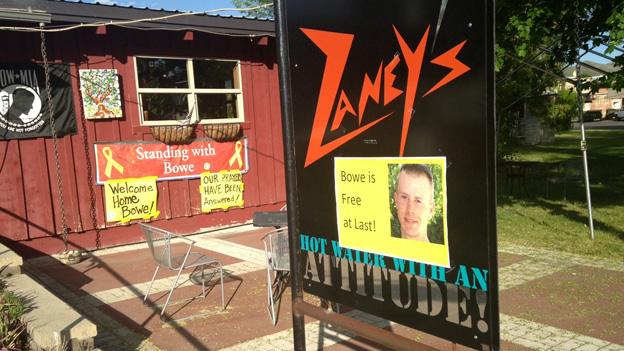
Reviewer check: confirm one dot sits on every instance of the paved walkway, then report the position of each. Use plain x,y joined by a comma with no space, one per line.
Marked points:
520,329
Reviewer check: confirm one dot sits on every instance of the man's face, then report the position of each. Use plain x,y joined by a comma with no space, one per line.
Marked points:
414,203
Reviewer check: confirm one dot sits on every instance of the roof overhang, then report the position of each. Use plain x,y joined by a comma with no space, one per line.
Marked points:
79,12
25,15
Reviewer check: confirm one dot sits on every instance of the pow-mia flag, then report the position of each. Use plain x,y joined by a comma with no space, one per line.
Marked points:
24,108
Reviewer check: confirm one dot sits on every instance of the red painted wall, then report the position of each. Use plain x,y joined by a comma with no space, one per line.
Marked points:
30,209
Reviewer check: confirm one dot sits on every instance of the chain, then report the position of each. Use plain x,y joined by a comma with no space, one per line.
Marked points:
59,182
92,198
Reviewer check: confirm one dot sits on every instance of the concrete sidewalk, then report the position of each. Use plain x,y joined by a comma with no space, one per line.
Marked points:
548,301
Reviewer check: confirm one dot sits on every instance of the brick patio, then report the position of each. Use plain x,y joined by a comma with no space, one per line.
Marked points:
578,308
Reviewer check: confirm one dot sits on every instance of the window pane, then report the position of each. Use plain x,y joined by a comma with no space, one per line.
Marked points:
214,106
164,107
161,73
211,74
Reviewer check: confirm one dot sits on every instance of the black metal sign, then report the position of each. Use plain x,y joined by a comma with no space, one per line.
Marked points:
392,113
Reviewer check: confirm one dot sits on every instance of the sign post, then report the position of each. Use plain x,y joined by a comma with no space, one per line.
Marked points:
292,198
389,134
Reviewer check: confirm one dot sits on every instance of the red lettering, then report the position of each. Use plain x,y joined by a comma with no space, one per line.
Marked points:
390,92
369,90
449,60
336,47
344,106
413,60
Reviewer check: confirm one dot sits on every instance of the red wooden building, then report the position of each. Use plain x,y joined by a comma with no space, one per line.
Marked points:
215,73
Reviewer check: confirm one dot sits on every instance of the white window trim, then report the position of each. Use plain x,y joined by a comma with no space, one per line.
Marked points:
191,91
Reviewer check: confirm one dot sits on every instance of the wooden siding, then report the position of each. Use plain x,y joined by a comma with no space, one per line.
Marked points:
29,201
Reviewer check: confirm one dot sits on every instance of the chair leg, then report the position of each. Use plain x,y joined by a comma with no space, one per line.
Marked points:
203,279
175,284
222,293
150,286
270,306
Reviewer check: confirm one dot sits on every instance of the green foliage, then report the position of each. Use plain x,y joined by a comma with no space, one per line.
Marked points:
435,228
543,34
12,330
561,110
562,226
544,219
265,12
556,111
525,28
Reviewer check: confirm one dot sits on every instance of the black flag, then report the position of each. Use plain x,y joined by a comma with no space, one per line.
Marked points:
24,107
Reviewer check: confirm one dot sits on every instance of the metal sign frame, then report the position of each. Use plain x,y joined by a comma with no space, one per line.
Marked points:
473,286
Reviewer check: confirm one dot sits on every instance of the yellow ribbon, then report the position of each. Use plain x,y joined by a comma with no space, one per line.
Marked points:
237,155
110,162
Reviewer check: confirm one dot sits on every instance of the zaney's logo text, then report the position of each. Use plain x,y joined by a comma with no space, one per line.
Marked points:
336,46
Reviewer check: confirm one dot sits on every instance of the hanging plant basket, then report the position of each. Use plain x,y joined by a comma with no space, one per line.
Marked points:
173,134
223,132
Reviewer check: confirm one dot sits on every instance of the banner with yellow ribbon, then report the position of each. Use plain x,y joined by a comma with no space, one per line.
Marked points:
143,159
236,157
110,162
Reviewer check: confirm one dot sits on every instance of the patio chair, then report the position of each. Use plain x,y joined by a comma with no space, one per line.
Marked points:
160,245
278,267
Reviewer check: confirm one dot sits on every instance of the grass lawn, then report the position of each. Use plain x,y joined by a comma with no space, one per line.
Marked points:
535,213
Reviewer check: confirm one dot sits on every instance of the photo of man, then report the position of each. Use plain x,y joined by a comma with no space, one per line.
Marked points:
413,198
393,206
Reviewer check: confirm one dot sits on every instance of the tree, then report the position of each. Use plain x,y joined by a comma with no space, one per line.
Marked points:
536,39
561,109
556,110
265,12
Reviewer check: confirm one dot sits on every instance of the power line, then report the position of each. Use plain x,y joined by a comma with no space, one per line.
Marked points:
181,29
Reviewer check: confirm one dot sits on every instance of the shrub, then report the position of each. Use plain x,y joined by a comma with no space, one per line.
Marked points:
12,330
562,110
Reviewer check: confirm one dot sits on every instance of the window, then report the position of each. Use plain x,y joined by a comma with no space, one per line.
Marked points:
198,90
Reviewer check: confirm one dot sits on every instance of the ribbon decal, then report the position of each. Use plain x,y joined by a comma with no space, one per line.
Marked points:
110,162
236,157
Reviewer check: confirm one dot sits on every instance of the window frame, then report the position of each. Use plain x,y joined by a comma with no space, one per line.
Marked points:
191,92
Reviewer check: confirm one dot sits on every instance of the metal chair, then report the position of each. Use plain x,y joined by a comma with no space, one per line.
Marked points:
160,245
278,267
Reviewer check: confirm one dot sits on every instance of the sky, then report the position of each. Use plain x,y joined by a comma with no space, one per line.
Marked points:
204,5
181,5
595,58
